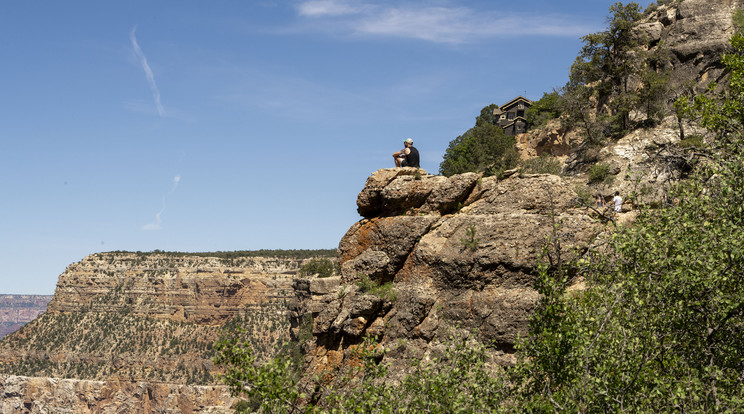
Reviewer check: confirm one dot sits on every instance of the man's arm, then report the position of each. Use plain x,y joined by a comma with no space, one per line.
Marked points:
402,152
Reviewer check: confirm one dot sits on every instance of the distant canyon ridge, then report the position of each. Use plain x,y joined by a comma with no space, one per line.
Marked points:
17,310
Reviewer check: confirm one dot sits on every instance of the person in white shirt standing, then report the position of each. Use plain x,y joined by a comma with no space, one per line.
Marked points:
618,202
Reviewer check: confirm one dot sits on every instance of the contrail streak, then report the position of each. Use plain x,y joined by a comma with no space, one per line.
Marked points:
156,225
148,72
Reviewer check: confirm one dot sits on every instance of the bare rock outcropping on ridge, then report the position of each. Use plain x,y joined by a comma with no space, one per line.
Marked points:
460,252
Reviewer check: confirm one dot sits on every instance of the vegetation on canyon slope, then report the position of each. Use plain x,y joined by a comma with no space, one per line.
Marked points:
613,77
239,254
483,148
657,329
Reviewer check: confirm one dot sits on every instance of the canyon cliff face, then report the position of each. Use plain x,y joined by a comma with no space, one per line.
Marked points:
459,255
696,34
201,290
461,252
690,37
17,310
137,329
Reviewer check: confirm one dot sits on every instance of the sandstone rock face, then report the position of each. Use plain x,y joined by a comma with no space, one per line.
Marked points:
693,34
548,140
48,395
696,33
17,310
134,332
397,191
201,290
469,266
512,219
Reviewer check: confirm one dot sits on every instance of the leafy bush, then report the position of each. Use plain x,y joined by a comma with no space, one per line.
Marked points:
456,380
599,173
364,283
659,326
270,385
544,164
692,141
483,148
385,290
546,108
323,267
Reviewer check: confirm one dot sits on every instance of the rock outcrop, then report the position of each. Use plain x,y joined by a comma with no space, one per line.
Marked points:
454,254
549,139
689,37
17,310
50,395
696,33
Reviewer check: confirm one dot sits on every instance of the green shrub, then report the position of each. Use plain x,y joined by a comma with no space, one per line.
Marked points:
385,291
483,148
584,194
599,173
544,164
364,283
470,242
546,108
458,379
322,267
692,141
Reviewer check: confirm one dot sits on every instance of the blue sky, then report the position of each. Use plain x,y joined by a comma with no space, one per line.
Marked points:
241,125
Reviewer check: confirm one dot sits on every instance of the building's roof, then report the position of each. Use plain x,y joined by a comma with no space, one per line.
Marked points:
515,100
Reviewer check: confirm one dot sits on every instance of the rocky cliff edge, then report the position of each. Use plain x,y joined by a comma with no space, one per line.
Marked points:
459,253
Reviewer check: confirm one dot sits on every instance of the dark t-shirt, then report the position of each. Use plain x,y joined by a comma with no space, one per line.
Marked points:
412,159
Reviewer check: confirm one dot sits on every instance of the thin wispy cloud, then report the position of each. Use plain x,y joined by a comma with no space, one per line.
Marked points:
148,72
316,8
157,223
437,24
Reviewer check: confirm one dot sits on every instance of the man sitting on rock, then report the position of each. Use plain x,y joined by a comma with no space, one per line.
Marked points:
408,156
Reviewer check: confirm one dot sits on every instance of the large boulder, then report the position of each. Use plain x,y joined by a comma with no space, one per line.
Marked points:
398,191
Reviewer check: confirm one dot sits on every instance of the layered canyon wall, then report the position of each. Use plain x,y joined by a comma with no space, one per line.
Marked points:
131,330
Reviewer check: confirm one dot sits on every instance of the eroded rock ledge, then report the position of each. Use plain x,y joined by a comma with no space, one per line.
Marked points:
46,395
201,290
461,253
